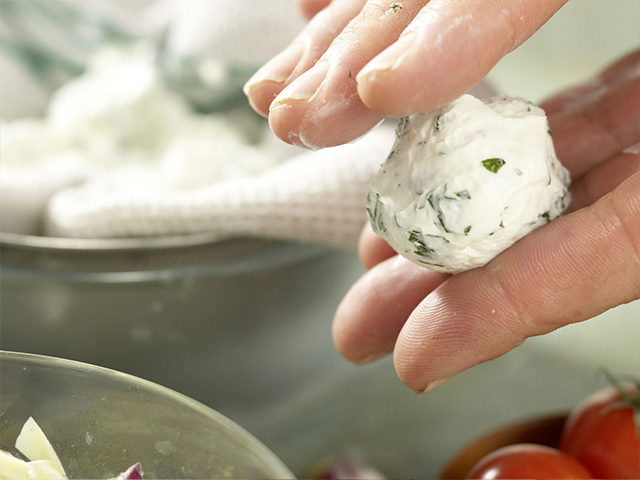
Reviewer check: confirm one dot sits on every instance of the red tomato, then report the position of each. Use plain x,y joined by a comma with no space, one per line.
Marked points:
604,440
528,461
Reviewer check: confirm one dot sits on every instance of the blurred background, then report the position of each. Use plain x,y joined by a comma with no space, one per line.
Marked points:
243,324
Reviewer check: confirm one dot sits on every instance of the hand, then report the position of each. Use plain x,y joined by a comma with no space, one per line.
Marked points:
567,271
357,61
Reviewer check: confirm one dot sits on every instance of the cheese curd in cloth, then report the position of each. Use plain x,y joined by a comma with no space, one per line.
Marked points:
465,182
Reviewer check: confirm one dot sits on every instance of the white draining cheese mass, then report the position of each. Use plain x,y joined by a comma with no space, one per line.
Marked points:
465,182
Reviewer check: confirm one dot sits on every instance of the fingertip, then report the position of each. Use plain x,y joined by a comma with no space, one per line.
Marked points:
309,8
372,249
285,121
371,315
261,95
347,341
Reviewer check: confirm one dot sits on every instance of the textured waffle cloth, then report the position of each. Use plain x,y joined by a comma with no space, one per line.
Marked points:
314,197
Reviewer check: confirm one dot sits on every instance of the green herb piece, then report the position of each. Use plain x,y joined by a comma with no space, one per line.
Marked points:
375,217
350,74
529,108
501,224
467,230
440,214
432,264
430,202
549,181
424,251
441,154
436,125
493,164
518,172
550,134
463,194
395,6
437,236
424,142
402,127
450,198
421,247
545,215
395,217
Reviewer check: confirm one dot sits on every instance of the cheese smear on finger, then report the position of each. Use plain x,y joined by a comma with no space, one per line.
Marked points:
465,182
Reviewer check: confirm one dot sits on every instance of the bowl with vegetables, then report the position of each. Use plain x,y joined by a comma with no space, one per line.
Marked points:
65,419
599,438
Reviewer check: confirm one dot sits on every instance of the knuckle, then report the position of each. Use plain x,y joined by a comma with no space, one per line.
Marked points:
625,203
519,323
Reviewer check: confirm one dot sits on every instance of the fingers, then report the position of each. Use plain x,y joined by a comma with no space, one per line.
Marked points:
620,71
372,249
448,48
568,271
303,52
309,8
372,314
322,108
585,136
603,179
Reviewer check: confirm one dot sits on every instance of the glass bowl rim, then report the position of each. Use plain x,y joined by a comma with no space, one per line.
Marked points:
64,364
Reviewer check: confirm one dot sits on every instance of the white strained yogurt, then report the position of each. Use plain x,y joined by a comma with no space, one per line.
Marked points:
465,182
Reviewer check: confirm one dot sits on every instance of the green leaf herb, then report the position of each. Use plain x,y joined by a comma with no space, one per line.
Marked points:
350,74
375,216
493,164
463,194
432,264
501,224
444,227
420,245
545,215
437,236
518,172
436,124
467,230
395,6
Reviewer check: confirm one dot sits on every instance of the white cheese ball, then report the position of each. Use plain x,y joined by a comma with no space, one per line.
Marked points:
465,182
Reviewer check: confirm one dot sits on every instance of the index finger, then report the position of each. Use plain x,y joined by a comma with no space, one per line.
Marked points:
447,49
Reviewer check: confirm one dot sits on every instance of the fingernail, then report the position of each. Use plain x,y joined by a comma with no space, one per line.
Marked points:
305,86
430,387
389,58
372,358
277,69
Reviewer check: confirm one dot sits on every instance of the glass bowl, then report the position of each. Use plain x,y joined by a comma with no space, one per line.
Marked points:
101,421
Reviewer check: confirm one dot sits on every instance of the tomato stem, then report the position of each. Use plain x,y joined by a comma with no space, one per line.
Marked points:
629,400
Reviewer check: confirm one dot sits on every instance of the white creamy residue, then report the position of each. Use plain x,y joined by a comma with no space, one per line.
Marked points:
121,126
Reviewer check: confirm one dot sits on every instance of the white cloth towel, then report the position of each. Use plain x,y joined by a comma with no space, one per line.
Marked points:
315,197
